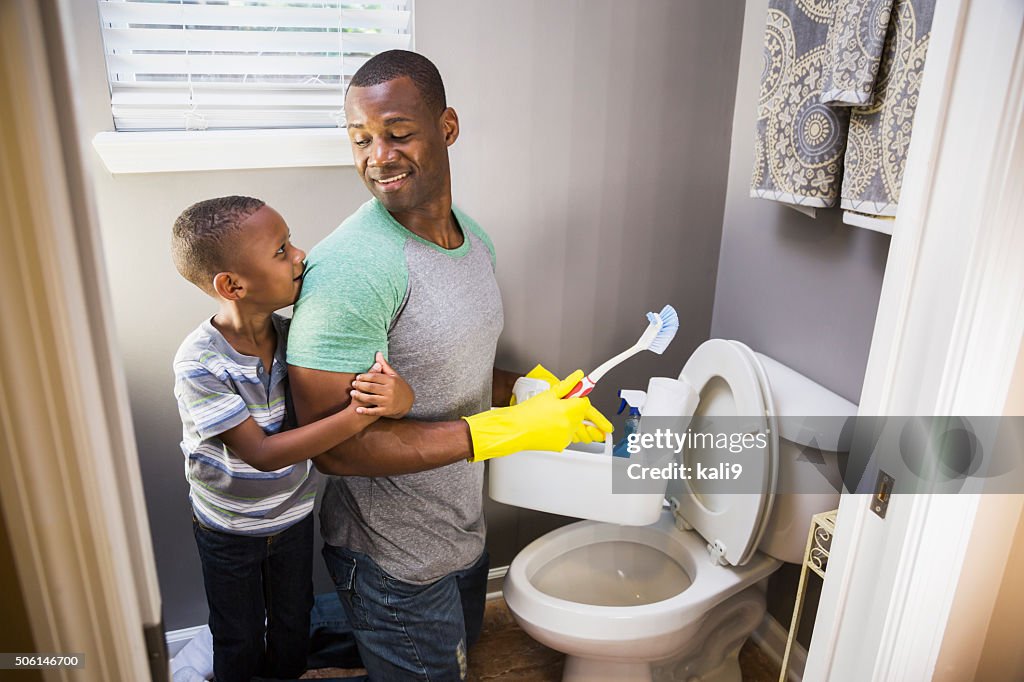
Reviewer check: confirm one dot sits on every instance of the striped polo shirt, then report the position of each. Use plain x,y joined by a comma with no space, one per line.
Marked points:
218,388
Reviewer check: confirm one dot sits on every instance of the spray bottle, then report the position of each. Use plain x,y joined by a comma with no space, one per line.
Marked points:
635,400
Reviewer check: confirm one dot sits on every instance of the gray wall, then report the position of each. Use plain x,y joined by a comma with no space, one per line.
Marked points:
803,291
594,149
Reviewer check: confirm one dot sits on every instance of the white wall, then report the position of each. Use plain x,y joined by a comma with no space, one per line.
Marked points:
594,149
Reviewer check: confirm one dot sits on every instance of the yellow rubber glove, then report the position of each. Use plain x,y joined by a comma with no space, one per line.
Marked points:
542,372
544,422
585,433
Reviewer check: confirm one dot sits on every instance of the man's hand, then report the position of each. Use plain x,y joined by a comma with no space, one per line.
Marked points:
382,392
544,422
587,431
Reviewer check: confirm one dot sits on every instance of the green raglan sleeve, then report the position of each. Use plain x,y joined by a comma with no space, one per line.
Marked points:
475,228
351,293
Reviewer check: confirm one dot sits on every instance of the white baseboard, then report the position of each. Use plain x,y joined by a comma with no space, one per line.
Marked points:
495,581
177,639
771,637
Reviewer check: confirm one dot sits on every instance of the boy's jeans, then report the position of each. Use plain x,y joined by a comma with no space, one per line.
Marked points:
251,580
406,631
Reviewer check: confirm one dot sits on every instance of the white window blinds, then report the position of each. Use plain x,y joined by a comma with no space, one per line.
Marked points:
206,64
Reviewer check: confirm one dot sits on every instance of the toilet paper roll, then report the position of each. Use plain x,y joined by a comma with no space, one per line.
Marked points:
669,398
670,405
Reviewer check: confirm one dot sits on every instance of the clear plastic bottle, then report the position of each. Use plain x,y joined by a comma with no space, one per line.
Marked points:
634,399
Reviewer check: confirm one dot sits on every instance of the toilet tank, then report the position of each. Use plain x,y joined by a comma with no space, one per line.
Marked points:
810,420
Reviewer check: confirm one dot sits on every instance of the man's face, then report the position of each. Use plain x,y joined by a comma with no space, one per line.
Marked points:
399,145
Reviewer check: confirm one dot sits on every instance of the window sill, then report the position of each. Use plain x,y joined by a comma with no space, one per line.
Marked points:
208,150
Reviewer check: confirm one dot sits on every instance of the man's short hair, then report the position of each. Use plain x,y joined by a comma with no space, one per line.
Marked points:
201,237
394,64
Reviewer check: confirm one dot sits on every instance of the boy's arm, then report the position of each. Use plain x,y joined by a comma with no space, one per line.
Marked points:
217,410
267,453
386,448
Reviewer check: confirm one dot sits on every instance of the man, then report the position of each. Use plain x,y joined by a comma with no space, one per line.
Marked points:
411,275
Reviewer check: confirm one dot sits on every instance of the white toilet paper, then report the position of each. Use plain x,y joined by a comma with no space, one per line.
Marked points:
669,398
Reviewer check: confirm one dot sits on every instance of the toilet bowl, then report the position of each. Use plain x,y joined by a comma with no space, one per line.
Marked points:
675,599
622,595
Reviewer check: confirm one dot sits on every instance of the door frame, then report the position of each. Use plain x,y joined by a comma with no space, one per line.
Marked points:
946,341
70,487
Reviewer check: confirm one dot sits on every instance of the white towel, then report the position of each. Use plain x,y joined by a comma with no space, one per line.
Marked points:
194,663
877,223
188,674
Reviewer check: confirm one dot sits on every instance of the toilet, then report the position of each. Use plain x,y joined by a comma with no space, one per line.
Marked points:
668,585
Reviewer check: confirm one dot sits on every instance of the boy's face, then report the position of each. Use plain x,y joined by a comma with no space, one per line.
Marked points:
269,266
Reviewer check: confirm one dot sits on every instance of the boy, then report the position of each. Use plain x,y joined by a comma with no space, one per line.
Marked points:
251,485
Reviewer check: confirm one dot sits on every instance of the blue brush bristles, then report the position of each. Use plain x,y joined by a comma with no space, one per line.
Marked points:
667,332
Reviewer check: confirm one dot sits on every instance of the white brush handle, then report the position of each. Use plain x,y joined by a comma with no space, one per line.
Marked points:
587,383
603,368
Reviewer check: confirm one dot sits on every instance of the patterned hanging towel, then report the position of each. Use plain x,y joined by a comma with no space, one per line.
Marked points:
879,134
800,141
855,42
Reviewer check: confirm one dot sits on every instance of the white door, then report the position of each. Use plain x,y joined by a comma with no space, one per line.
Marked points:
84,559
949,325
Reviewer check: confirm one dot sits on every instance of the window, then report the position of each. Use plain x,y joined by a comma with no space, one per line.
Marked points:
241,64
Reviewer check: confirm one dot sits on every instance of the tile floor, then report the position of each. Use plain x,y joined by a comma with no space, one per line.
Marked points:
507,654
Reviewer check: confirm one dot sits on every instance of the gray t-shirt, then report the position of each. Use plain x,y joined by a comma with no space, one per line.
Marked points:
436,314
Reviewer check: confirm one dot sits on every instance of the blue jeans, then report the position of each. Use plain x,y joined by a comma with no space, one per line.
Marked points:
331,643
260,592
406,631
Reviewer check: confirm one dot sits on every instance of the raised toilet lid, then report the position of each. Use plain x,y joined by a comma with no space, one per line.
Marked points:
731,395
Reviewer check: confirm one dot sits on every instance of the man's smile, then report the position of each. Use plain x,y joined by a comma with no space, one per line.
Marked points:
391,182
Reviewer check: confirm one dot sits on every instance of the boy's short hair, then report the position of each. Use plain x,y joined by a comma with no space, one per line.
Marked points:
200,241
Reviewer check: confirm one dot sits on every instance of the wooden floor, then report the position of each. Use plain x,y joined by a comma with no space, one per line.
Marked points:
507,654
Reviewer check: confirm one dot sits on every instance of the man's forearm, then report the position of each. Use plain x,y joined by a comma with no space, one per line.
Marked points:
391,447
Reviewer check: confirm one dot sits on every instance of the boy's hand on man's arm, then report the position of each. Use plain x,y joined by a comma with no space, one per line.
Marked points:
382,392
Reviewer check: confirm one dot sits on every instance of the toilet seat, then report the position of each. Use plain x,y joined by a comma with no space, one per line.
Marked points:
771,413
729,381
